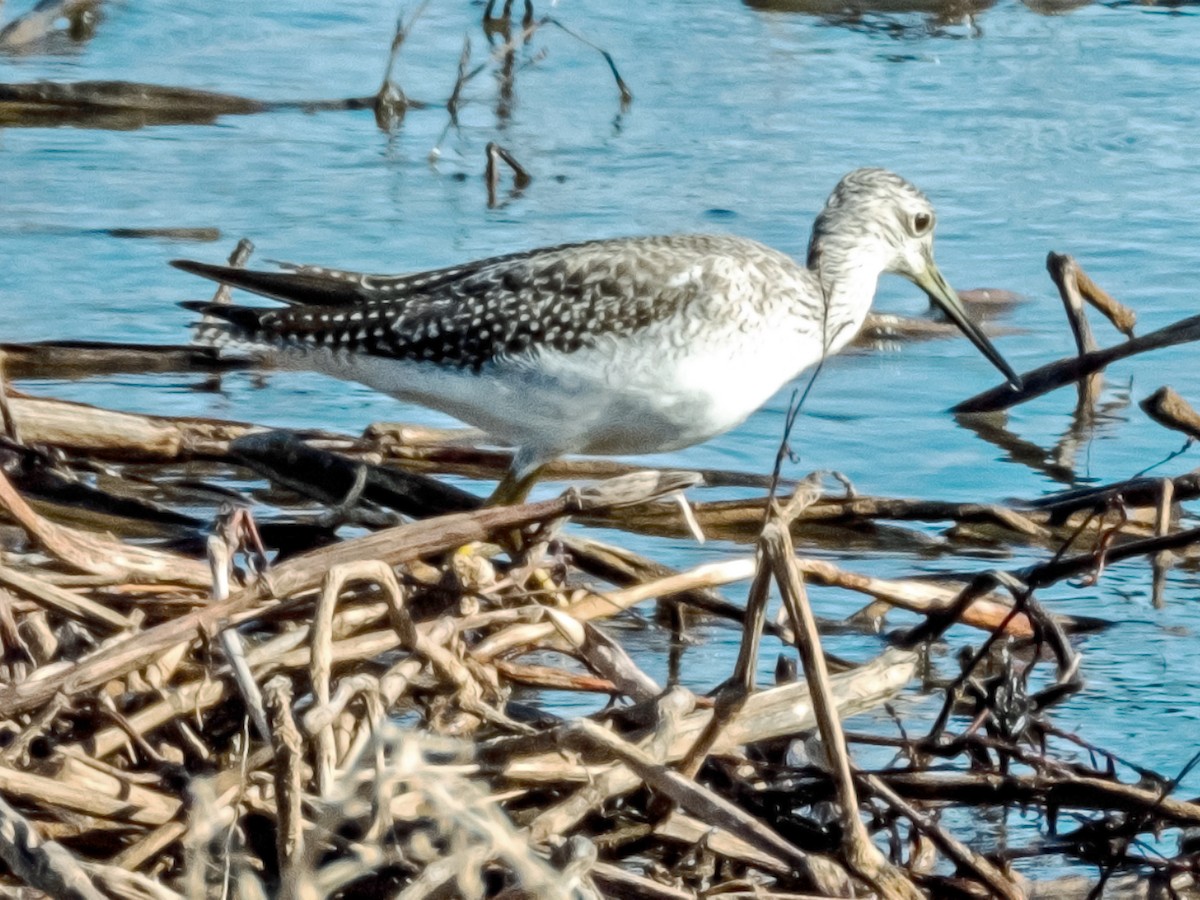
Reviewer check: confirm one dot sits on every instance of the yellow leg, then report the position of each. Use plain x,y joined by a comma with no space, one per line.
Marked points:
513,489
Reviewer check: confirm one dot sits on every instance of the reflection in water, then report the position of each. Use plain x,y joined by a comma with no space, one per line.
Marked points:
883,16
1058,462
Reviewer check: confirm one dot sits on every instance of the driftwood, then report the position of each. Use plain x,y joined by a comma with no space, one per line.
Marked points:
376,686
1166,407
84,359
1068,371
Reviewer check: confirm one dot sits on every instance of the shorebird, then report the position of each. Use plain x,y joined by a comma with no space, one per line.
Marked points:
625,346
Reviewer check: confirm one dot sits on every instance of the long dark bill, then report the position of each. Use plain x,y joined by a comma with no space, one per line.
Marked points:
934,284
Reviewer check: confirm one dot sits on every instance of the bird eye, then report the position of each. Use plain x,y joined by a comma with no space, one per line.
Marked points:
921,223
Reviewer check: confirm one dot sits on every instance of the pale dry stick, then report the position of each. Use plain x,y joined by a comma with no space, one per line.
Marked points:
1166,407
986,612
561,817
470,693
914,596
7,423
598,606
997,883
685,829
357,648
733,694
322,656
97,555
391,684
289,775
1067,371
395,546
445,877
202,829
743,517
604,656
107,434
15,753
42,865
708,806
190,698
1121,316
321,666
104,798
782,711
238,259
376,711
118,882
228,786
864,859
1161,561
63,602
620,882
1065,273
550,678
468,680
99,780
194,697
135,740
15,652
42,643
220,560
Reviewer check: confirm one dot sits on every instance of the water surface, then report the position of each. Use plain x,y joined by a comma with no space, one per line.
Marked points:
1073,132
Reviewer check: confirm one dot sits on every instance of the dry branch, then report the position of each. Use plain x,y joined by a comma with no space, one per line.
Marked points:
1068,371
1167,408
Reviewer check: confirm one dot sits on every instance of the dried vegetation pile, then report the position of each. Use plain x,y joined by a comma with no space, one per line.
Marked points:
357,690
296,708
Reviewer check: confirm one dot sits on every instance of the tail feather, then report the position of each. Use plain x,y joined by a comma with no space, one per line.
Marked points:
290,287
234,329
246,320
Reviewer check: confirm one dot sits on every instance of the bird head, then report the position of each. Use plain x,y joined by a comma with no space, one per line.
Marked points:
877,221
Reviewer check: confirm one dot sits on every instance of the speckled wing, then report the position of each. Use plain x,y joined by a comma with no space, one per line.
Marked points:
558,299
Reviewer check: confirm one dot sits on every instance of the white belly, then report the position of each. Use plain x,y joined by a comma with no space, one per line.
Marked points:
626,396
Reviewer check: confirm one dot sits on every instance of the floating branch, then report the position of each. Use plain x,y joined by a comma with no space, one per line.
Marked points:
1054,375
1167,408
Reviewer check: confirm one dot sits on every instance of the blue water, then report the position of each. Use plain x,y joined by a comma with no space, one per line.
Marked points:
1074,133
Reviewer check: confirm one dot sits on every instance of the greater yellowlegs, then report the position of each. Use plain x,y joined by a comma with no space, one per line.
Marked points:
625,346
